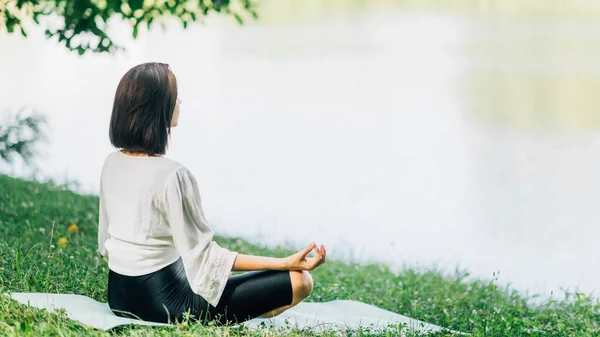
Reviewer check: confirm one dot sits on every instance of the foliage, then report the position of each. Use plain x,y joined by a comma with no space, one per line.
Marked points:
84,22
19,134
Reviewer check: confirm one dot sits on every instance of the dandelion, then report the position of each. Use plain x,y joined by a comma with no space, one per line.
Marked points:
62,242
73,229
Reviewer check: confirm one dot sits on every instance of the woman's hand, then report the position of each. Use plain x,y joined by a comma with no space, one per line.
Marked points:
299,261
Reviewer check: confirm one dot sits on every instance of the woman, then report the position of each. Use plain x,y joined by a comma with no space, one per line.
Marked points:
161,255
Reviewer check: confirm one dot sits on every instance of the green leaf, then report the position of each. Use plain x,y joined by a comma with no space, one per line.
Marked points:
135,4
82,17
238,18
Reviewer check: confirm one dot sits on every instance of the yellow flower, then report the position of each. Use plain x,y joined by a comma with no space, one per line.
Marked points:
73,229
62,242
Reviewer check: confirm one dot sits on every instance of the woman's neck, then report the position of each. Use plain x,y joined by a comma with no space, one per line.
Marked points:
138,154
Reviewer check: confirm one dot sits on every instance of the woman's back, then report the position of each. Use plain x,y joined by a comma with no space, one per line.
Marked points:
150,215
139,238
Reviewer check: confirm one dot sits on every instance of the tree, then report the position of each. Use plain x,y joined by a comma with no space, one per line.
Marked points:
19,135
84,22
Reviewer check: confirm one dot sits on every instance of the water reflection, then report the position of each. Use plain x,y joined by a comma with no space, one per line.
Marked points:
529,89
393,136
534,73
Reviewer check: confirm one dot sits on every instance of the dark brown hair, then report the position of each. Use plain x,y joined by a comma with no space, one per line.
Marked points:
143,107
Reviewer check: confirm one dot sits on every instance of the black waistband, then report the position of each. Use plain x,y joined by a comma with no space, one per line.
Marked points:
175,268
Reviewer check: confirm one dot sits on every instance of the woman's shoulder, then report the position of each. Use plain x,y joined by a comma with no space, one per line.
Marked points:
168,166
177,177
174,171
159,167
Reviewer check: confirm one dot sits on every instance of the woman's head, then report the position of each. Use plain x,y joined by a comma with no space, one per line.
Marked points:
145,108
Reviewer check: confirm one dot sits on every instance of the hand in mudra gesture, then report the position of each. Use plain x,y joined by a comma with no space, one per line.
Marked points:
299,261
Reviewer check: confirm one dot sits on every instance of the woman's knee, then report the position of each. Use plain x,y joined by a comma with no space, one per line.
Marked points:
302,283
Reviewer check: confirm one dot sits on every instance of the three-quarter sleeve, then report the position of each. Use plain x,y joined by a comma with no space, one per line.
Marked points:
207,265
102,225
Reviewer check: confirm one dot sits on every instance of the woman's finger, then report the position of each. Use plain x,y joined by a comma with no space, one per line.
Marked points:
307,250
319,253
319,257
320,250
322,259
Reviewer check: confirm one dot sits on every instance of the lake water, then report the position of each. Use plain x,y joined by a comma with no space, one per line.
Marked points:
400,137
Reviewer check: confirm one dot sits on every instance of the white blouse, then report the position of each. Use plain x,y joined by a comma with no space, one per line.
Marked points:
150,215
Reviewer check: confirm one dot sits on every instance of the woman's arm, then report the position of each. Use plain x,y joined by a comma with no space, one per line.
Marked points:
245,262
297,261
102,224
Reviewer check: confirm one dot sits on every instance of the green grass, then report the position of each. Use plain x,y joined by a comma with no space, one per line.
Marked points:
34,215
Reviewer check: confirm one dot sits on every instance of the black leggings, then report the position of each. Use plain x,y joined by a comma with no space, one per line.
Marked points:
165,295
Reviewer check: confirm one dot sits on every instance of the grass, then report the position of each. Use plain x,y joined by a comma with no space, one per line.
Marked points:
33,216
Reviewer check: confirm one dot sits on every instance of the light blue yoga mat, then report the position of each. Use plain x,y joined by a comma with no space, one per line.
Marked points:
337,315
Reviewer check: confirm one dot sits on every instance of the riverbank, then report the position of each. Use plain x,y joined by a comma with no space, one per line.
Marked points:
41,251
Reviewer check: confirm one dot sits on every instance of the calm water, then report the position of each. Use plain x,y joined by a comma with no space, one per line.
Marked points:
397,137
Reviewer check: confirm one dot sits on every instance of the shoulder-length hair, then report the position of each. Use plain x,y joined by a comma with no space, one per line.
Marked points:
142,110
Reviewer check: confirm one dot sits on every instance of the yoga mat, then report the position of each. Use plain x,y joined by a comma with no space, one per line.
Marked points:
337,315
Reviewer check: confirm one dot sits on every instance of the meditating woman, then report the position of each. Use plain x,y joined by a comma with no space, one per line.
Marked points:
161,255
